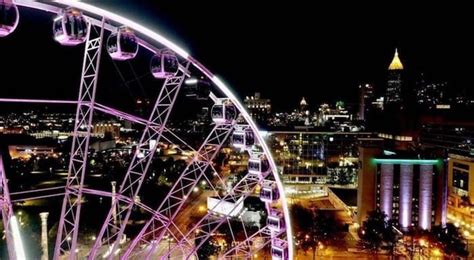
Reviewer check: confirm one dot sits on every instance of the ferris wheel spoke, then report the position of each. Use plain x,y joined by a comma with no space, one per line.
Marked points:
180,202
140,163
67,233
183,188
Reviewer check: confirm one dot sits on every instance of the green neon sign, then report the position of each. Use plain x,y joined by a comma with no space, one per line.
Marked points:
406,161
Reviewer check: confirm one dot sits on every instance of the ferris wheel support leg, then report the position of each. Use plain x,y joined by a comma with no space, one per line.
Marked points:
110,233
183,187
66,240
210,223
7,214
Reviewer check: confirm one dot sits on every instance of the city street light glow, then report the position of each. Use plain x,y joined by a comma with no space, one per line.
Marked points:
19,250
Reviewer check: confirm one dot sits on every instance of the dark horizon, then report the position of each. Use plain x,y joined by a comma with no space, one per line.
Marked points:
290,51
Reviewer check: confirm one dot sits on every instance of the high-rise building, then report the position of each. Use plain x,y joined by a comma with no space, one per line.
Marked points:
366,96
406,188
259,108
393,94
461,190
430,95
303,105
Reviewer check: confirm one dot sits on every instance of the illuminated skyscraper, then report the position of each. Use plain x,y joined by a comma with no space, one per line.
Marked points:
303,105
393,94
430,95
366,96
259,108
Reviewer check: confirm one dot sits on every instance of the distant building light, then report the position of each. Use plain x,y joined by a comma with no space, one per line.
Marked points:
443,106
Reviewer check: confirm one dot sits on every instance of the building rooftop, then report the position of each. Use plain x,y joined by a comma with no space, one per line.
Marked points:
396,63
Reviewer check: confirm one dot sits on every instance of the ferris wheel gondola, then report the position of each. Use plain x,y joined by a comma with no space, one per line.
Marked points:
70,27
9,17
80,23
164,64
122,45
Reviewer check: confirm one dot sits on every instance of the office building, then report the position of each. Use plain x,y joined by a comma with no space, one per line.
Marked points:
393,93
259,108
406,188
461,191
366,97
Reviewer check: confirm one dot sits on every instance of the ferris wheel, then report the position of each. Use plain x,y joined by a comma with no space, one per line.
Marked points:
168,232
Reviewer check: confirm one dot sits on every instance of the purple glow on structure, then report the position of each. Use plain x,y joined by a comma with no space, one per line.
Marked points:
222,86
406,195
426,186
129,23
44,101
386,189
10,19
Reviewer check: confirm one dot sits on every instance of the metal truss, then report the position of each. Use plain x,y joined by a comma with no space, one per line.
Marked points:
174,201
7,210
66,240
164,221
209,224
111,231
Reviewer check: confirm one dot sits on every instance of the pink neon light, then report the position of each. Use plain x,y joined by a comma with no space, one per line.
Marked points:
162,40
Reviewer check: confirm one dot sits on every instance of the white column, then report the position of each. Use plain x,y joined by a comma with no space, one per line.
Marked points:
114,210
386,189
406,195
424,200
44,235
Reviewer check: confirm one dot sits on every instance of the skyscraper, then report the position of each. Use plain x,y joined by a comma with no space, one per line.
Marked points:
259,108
366,96
430,94
404,186
303,105
393,94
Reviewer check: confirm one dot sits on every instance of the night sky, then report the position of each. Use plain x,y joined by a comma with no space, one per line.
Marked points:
285,50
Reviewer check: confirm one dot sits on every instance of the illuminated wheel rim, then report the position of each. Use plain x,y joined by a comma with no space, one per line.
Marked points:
278,239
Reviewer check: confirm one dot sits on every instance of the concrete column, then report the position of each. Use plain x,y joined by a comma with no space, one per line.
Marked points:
424,200
406,195
386,189
44,235
114,208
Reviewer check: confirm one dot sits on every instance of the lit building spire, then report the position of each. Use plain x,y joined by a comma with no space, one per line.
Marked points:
396,63
303,102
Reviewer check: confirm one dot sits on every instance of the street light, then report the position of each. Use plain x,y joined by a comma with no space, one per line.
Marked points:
436,252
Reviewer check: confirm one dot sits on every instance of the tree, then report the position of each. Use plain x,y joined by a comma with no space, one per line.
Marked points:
313,229
450,239
377,231
304,217
207,249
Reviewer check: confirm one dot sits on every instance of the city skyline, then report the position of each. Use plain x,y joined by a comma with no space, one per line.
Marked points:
323,131
337,48
336,54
